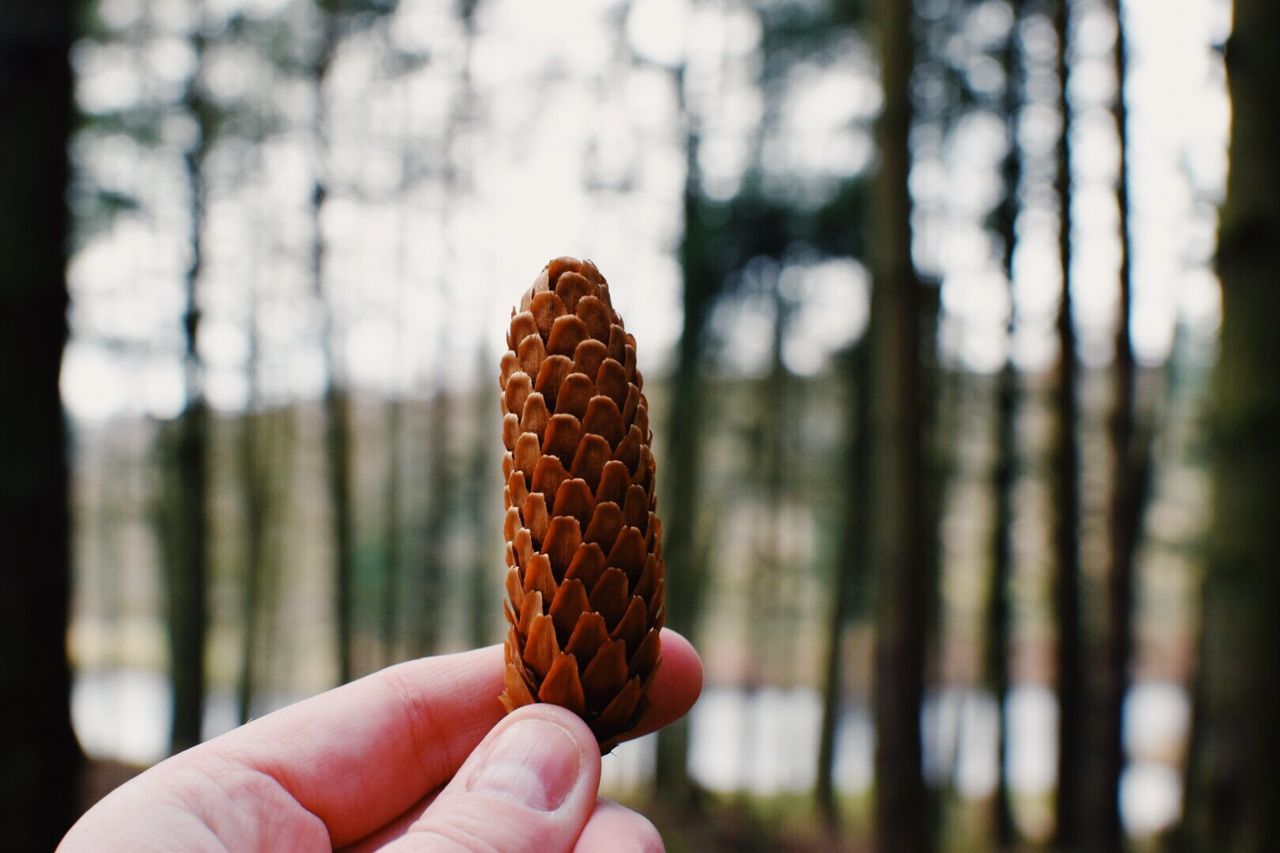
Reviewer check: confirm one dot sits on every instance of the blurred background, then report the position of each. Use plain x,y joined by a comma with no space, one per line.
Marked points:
925,295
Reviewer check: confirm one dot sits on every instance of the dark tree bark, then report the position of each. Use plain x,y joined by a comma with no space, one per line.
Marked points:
481,590
254,494
277,443
768,580
1004,475
1129,471
337,429
1232,795
1065,464
999,645
850,569
41,757
682,481
767,637
254,491
337,407
189,569
431,594
392,531
899,551
428,597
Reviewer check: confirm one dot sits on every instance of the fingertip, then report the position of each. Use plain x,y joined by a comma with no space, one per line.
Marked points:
535,758
684,667
618,829
530,785
676,685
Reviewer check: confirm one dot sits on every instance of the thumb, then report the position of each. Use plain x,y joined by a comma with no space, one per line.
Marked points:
529,786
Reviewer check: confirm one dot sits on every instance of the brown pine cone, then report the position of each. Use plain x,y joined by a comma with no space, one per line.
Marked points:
584,548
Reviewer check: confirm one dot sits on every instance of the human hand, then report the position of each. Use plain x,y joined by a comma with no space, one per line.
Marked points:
417,756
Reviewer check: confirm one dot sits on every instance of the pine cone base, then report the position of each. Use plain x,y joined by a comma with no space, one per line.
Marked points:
584,585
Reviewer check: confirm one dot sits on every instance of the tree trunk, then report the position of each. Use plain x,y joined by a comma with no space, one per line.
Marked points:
336,414
189,579
338,455
432,600
899,550
999,645
429,607
41,757
188,575
277,472
482,588
767,582
1232,796
1004,476
392,530
686,578
253,486
850,569
766,635
482,591
1129,466
1065,464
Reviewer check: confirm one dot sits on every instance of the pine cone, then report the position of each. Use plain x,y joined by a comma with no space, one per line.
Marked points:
584,586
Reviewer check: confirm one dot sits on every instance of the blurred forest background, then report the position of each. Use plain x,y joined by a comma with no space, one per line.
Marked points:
973,539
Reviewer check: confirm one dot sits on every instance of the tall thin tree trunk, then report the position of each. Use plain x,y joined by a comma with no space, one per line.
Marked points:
1231,802
901,807
188,587
772,399
277,471
686,579
764,629
338,452
432,601
392,530
1004,476
482,592
999,645
1065,463
41,758
392,576
254,494
939,393
429,606
1128,471
336,404
850,568
393,437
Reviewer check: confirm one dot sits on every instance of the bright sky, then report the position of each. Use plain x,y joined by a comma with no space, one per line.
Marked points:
559,148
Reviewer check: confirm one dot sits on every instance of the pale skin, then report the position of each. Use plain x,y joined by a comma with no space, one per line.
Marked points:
418,756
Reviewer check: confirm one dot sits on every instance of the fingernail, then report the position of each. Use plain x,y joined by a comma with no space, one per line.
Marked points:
533,763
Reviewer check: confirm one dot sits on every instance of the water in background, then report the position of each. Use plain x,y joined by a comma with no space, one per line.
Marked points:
763,741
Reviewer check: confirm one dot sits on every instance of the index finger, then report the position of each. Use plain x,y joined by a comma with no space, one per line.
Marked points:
362,754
